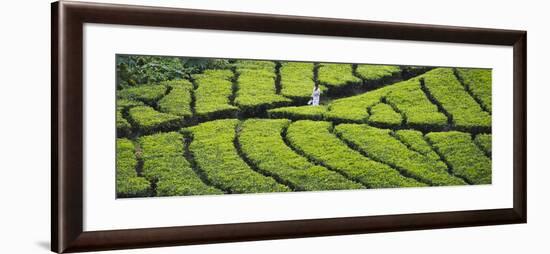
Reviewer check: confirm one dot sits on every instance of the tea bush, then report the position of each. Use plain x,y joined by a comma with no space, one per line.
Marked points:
464,157
315,140
175,177
262,143
161,144
297,80
485,142
145,93
148,120
128,183
337,75
380,145
447,90
215,154
383,114
256,86
178,100
298,113
479,82
419,112
214,88
377,73
415,141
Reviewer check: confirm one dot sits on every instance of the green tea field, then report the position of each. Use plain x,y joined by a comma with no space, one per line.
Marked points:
245,126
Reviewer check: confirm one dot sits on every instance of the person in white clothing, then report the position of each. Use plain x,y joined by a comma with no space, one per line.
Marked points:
316,95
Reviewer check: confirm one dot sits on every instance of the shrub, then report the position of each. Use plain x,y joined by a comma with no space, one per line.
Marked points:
415,141
175,177
374,74
464,157
315,140
214,88
128,183
337,75
123,128
215,154
298,113
145,93
161,144
261,141
479,82
125,103
465,112
178,101
383,114
380,145
256,86
354,108
297,80
148,120
419,112
484,141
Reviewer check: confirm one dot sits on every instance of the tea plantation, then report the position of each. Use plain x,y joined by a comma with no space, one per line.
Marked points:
245,127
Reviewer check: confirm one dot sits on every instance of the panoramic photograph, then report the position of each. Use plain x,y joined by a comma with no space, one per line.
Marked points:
205,126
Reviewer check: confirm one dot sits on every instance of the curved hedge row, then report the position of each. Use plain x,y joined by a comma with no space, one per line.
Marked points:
178,100
256,86
484,141
164,164
384,114
297,80
261,141
479,82
212,96
149,94
337,75
379,144
446,89
419,112
215,154
128,183
298,113
465,158
374,75
415,141
148,120
315,140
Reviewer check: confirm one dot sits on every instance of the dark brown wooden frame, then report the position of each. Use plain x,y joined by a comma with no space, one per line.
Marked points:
67,145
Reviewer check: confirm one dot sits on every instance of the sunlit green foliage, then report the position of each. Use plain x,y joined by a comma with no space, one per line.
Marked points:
256,86
479,82
216,155
298,113
128,183
214,88
178,101
464,157
262,143
415,141
315,141
165,165
148,120
380,145
485,142
297,79
337,75
383,114
419,112
374,72
447,90
145,93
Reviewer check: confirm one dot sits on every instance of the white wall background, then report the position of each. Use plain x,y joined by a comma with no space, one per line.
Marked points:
25,126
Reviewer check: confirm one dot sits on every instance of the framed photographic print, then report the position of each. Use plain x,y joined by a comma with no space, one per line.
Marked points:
178,126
